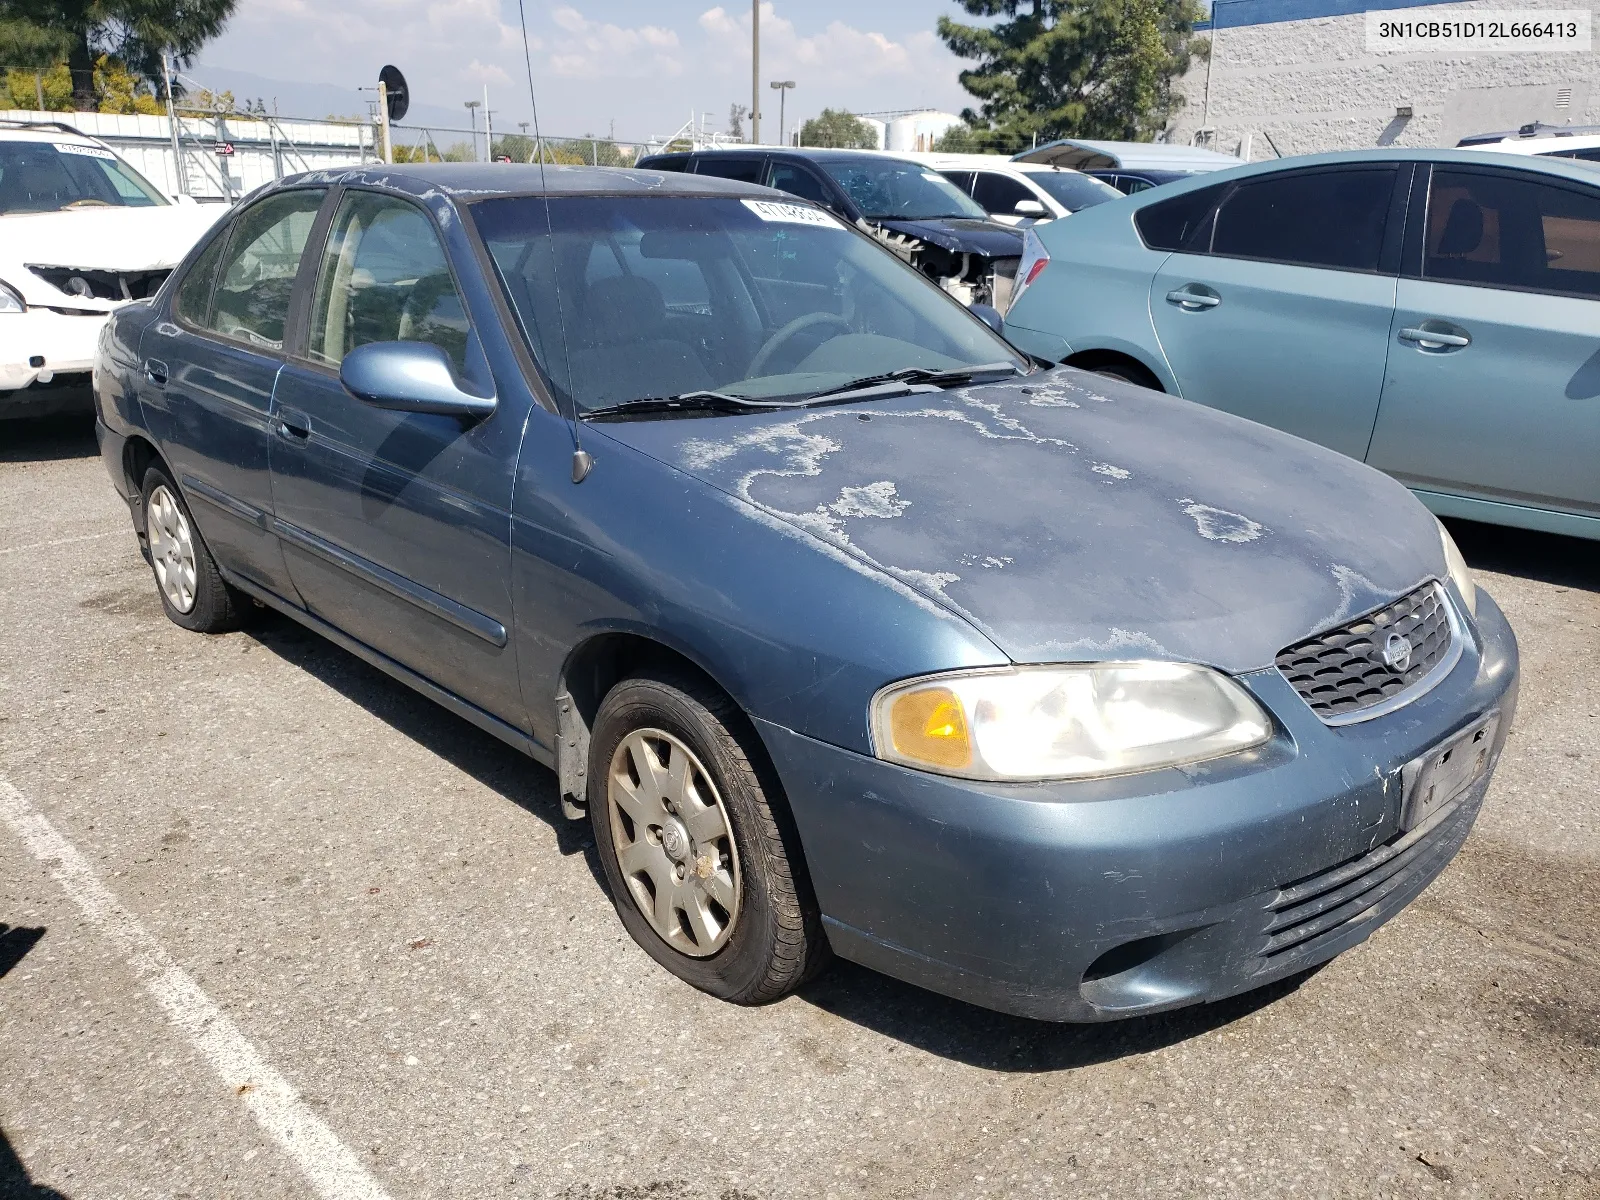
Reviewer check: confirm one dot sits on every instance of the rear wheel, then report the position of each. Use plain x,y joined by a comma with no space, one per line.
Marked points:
1128,373
191,588
702,863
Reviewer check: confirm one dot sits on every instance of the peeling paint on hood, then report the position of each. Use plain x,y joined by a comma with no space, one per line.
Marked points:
1074,518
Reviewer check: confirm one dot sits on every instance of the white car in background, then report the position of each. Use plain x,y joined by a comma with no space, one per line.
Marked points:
1016,193
1546,141
81,234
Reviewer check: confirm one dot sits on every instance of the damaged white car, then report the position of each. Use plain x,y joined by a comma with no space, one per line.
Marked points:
81,234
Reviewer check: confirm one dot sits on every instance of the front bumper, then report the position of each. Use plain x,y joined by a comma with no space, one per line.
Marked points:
1107,899
38,345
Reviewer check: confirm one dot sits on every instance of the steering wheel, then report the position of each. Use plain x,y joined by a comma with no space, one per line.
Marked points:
770,347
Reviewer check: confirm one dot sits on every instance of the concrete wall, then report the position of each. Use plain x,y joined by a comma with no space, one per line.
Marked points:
1312,85
263,150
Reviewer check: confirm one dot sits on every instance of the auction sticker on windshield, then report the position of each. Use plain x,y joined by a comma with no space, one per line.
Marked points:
86,151
790,214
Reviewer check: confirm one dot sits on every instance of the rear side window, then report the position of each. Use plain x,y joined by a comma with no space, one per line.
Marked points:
744,170
1514,232
1172,224
677,162
1000,194
193,301
251,301
1319,219
962,179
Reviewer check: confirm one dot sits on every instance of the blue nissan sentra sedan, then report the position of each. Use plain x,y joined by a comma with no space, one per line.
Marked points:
848,627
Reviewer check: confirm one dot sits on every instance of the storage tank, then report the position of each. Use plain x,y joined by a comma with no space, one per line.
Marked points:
919,130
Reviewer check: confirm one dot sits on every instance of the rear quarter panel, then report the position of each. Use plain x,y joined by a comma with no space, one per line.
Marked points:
1095,294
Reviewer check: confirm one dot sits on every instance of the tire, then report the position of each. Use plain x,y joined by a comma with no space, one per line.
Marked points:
757,934
191,588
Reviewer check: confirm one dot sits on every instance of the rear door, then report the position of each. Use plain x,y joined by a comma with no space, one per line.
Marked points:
1493,382
396,526
209,374
1282,314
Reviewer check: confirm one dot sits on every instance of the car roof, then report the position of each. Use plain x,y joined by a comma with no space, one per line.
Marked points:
1088,155
1566,168
1549,143
43,131
477,181
982,162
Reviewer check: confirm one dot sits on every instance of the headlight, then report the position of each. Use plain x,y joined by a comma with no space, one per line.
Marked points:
10,301
1460,573
1069,722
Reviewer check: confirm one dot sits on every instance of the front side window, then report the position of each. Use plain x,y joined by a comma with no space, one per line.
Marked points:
886,189
384,278
52,176
632,298
1000,194
1314,219
251,299
1514,232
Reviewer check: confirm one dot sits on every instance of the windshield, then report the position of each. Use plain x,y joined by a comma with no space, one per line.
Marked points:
1074,191
50,176
661,296
888,189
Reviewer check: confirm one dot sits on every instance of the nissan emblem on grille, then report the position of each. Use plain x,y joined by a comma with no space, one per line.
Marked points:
1375,662
1397,652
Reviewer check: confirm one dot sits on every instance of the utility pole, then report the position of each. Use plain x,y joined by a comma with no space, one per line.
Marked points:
472,107
755,72
781,86
488,131
172,125
383,120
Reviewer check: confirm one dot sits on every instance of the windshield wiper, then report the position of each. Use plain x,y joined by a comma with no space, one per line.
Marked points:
703,401
938,376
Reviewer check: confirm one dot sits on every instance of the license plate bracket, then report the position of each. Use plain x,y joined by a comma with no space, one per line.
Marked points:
1436,779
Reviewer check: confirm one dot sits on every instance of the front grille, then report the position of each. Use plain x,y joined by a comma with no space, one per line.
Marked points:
1342,672
1369,889
102,285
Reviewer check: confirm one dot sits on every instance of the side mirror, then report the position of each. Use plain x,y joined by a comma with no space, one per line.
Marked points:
990,316
1029,208
409,377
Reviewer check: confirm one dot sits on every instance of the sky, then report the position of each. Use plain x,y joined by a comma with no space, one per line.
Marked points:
639,67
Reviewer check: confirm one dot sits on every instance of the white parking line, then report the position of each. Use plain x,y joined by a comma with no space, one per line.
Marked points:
88,537
331,1167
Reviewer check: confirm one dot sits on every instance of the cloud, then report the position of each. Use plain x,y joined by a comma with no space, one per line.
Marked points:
593,49
839,53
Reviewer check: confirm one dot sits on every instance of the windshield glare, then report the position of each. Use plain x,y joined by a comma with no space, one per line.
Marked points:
761,299
887,189
1074,191
49,177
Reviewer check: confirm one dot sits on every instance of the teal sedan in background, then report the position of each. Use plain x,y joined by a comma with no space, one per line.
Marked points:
1435,313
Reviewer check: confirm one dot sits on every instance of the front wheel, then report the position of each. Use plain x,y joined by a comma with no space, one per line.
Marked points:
700,857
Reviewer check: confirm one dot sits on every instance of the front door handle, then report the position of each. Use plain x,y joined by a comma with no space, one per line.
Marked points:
293,425
155,371
1194,297
1428,337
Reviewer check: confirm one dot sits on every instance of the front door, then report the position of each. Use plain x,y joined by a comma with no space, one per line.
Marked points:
1284,317
1493,383
396,526
209,374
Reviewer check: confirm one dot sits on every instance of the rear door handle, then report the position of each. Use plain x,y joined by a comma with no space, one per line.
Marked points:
1194,297
155,371
1434,339
293,425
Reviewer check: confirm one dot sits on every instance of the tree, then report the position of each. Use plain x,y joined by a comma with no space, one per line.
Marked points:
136,33
736,115
1073,68
839,131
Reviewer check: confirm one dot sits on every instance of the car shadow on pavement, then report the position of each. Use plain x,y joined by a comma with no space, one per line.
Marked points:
978,1037
14,1181
48,439
1546,557
497,766
15,942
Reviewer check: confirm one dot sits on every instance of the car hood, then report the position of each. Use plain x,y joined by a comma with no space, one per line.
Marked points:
962,235
99,239
1075,518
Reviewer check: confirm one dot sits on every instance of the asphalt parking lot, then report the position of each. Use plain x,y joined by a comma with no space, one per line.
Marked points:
386,908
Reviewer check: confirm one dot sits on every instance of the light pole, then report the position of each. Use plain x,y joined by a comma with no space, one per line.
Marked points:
472,107
755,72
781,86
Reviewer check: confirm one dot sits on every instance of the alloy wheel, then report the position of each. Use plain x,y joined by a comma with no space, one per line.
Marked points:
171,548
